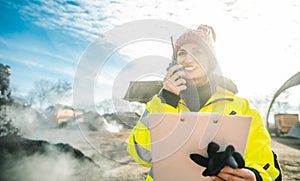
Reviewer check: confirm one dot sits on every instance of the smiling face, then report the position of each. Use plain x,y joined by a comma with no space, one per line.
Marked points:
195,62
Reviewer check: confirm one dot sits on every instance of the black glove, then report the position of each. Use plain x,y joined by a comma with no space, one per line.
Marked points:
218,160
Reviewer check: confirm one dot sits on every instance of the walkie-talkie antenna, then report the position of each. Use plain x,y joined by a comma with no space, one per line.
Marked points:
174,53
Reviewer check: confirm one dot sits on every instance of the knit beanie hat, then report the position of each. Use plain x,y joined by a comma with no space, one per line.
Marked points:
205,36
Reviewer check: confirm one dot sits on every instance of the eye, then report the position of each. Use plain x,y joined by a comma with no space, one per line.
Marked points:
181,53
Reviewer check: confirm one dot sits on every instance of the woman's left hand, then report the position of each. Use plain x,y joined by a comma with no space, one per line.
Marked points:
239,174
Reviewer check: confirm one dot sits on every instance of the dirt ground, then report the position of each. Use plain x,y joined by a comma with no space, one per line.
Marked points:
109,151
288,152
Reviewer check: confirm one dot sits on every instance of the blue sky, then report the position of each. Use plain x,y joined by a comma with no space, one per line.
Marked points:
35,52
44,39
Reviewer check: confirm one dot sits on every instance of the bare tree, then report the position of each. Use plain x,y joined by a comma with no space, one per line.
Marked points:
60,90
281,104
46,92
260,102
43,90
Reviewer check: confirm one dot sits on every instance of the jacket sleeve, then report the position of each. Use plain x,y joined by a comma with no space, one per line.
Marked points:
259,155
139,142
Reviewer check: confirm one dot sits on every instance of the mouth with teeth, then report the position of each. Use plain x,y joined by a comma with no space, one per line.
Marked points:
191,68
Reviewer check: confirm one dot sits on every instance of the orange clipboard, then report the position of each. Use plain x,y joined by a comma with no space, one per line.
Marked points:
174,136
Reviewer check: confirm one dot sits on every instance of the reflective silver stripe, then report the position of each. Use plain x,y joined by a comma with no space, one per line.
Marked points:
144,119
151,173
144,154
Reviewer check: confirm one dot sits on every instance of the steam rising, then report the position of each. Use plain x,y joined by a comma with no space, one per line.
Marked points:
45,156
48,168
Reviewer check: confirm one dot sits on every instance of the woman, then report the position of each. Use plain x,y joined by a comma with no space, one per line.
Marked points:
195,69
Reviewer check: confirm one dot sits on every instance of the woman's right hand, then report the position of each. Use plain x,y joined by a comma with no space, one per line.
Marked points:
174,81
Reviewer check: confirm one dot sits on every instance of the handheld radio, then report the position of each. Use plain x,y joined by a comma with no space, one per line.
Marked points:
190,94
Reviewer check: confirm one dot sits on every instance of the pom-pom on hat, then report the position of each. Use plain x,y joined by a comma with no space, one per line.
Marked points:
205,36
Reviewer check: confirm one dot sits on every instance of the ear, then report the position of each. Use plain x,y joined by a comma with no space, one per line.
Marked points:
199,159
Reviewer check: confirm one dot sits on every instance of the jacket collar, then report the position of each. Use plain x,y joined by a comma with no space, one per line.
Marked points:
221,94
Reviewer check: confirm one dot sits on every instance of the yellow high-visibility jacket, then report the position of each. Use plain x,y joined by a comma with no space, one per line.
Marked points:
258,155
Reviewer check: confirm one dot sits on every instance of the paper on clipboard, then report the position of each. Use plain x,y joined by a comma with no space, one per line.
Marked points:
175,136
